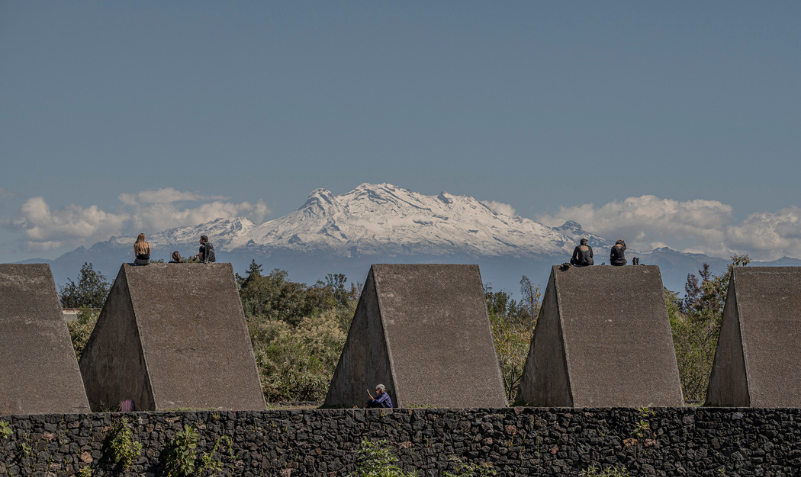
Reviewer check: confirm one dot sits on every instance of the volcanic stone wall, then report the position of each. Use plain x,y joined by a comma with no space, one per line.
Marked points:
517,441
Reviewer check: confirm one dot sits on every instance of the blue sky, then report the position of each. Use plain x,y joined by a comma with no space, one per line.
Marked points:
673,122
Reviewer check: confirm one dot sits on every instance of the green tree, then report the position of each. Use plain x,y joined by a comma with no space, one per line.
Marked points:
530,301
512,326
90,291
706,301
500,303
335,282
253,273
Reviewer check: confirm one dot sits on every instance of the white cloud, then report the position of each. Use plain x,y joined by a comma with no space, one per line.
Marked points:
148,211
770,235
499,207
162,216
41,225
648,219
648,222
162,196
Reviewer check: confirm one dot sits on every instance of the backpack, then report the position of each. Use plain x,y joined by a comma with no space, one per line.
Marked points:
210,253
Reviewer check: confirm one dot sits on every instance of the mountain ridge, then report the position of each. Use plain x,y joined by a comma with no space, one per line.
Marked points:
383,218
383,223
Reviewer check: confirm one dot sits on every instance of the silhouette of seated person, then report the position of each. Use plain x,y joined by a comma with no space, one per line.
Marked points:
617,257
176,257
582,255
141,251
381,398
206,252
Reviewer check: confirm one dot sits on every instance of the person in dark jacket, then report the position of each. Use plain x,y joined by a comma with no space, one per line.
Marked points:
582,255
206,253
381,398
617,257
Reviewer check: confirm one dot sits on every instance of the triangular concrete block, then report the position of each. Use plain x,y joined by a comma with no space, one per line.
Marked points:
172,336
38,369
422,331
602,339
758,358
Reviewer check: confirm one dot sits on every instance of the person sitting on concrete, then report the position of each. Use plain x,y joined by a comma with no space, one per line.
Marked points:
381,399
141,251
176,257
582,255
617,257
206,254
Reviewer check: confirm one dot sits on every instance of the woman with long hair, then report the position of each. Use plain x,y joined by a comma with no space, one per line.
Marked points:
141,251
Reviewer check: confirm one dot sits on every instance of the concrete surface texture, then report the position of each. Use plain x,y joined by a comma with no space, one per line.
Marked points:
38,369
172,336
758,359
602,339
423,331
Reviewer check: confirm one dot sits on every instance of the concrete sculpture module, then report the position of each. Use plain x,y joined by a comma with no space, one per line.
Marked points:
172,336
38,371
423,331
602,339
758,359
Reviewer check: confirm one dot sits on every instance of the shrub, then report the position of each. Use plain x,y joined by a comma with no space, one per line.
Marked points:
376,459
179,460
297,331
512,326
605,472
296,363
81,329
511,345
462,468
124,450
5,430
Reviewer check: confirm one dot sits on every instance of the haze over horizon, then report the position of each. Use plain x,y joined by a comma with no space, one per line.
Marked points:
665,124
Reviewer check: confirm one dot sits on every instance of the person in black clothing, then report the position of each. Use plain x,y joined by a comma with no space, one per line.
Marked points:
617,257
206,254
582,255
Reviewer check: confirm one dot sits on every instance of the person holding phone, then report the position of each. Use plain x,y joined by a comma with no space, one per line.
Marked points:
381,398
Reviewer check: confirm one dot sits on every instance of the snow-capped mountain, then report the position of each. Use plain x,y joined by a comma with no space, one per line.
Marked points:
383,224
385,220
